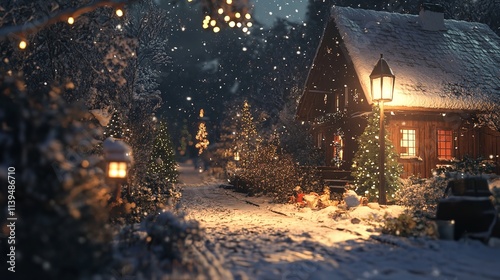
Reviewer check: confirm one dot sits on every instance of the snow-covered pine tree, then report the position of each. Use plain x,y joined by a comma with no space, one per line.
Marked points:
162,161
148,23
365,169
115,127
246,136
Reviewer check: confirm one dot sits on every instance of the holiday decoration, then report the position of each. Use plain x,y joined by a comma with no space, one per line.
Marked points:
162,163
115,127
201,136
365,168
226,13
246,137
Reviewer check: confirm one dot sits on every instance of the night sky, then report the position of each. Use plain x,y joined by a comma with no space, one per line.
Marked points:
266,11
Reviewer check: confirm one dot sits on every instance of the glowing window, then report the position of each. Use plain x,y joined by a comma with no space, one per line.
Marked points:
445,144
408,143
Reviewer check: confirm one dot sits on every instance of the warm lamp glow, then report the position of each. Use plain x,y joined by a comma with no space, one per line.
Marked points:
236,156
232,24
23,45
117,169
216,29
119,12
382,81
382,88
229,2
71,20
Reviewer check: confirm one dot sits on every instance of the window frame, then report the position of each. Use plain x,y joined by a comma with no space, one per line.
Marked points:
402,134
449,149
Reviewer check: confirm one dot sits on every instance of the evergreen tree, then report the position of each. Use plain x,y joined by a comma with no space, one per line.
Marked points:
162,163
201,136
115,127
246,136
294,136
365,169
185,141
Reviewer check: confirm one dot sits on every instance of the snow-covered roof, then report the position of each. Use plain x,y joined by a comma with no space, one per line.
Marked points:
456,68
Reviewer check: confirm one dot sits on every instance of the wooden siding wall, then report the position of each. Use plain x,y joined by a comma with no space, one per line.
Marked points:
467,141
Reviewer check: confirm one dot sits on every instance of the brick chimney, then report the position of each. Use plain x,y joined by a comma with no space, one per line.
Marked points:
431,17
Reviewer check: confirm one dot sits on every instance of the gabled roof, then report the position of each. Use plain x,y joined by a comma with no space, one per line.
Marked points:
457,68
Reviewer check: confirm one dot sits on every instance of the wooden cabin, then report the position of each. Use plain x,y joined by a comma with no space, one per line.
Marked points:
447,81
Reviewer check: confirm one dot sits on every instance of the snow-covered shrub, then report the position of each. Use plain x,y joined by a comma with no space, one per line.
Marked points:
60,200
421,195
148,199
408,225
165,246
274,174
467,166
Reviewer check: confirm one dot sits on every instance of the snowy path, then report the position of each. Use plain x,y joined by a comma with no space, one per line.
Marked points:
256,243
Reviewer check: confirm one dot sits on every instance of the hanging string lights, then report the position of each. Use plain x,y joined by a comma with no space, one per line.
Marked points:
226,13
218,14
69,16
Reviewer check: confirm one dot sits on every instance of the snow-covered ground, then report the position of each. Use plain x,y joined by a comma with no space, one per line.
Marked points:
255,239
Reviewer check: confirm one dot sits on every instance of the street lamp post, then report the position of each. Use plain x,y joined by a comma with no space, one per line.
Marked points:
382,82
118,157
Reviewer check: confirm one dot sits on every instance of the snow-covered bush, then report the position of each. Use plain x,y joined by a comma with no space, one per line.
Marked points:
274,174
467,166
408,225
60,199
165,246
421,195
148,199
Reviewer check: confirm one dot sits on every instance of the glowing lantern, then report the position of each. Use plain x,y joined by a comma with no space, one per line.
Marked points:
118,157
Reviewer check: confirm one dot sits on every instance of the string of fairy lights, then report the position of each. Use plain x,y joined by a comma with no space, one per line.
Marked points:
226,13
218,14
23,43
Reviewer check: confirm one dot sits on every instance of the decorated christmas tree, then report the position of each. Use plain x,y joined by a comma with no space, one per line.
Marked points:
163,162
246,137
365,169
201,136
115,127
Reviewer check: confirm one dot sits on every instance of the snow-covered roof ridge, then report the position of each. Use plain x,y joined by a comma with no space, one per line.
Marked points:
457,68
